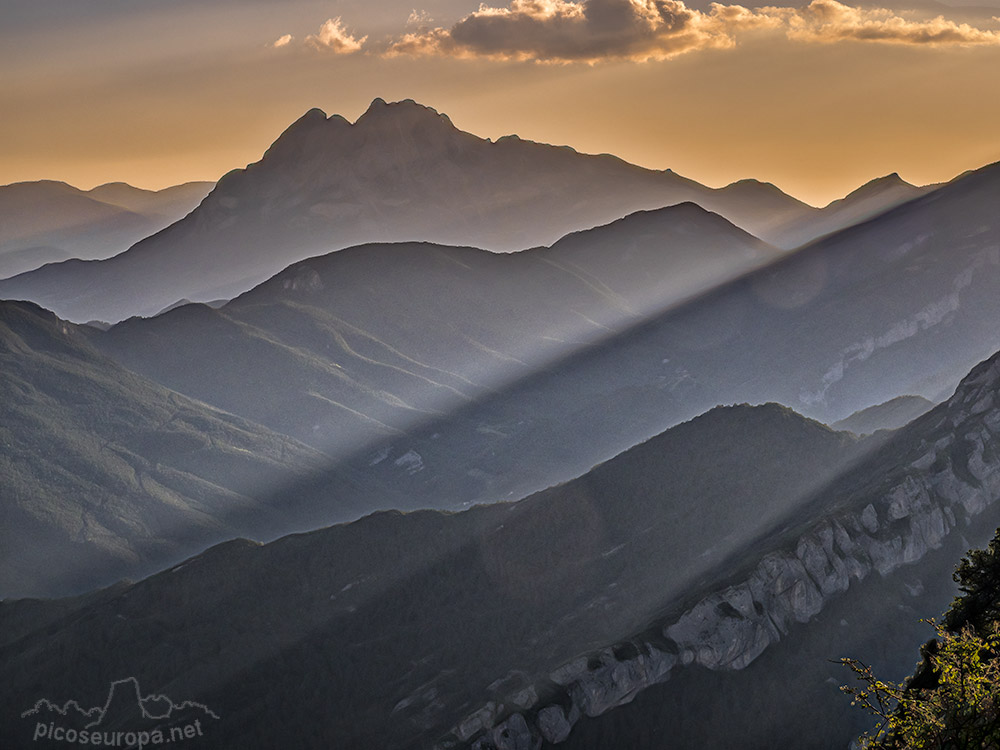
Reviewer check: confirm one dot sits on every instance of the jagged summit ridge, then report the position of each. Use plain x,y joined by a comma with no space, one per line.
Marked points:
403,116
401,172
405,110
323,160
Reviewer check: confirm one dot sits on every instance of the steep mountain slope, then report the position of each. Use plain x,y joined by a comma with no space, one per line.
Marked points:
909,512
891,415
45,222
789,695
106,474
933,485
418,614
511,625
363,344
402,172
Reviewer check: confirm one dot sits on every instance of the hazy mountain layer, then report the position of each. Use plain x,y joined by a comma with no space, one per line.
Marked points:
381,632
891,415
106,474
895,306
48,222
869,200
507,625
171,203
402,172
362,344
898,305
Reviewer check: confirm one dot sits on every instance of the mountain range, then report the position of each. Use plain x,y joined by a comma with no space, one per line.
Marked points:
855,580
869,200
401,172
476,410
361,344
529,369
539,577
108,475
49,222
891,415
508,624
486,445
533,367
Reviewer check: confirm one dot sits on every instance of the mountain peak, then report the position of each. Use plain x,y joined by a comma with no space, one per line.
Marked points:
117,185
299,137
749,183
406,112
39,186
309,120
890,182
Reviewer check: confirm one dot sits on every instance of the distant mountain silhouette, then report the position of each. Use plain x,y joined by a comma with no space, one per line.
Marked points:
869,200
24,259
170,203
402,172
898,305
890,415
48,222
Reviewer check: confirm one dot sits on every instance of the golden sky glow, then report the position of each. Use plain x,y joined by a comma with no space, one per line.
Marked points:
817,99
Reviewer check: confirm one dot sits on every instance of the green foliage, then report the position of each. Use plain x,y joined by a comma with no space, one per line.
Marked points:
953,700
961,711
978,578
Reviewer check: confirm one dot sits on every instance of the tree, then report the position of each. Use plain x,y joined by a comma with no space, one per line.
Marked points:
978,578
961,711
952,702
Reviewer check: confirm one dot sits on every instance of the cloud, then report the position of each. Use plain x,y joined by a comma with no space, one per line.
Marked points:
591,31
419,18
333,37
564,31
282,41
831,21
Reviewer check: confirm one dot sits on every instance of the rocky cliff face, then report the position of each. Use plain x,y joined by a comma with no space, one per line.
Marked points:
934,478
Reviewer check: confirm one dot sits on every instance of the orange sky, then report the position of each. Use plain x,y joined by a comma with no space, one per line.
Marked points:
189,93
